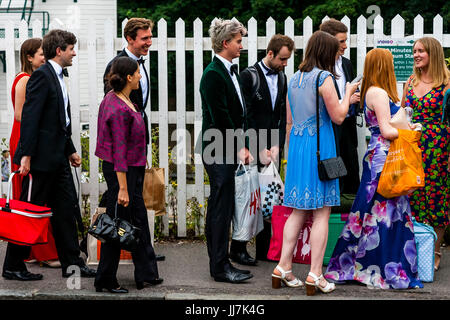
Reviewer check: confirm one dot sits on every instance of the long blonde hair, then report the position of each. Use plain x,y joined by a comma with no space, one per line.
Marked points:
379,72
436,68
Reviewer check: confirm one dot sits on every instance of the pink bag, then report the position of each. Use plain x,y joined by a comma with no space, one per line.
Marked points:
302,252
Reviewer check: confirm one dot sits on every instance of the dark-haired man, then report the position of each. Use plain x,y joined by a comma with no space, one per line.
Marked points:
346,134
45,149
264,87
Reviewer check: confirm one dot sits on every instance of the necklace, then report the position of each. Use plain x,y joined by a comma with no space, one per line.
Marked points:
425,81
131,103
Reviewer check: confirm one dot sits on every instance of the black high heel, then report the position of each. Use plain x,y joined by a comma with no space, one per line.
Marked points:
112,290
154,282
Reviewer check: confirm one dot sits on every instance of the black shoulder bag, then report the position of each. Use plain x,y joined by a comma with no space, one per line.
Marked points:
331,168
116,230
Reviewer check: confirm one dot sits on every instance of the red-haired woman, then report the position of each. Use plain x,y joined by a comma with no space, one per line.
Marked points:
377,246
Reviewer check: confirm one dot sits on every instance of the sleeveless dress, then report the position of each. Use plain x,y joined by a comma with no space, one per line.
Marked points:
376,246
430,204
14,141
41,252
303,188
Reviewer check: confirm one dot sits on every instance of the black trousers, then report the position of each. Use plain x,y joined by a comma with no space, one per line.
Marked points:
144,259
219,214
55,190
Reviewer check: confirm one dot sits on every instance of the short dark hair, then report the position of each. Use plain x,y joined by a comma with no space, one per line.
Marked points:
134,24
320,52
279,41
333,27
120,69
57,39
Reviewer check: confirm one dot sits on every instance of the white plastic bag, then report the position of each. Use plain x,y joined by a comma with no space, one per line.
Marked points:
247,219
272,189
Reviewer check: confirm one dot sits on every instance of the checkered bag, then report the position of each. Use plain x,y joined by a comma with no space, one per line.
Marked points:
272,189
425,238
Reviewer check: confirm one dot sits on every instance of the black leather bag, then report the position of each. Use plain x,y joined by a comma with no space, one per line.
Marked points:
331,168
107,229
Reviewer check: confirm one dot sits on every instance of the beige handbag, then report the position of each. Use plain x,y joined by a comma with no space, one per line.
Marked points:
154,191
400,120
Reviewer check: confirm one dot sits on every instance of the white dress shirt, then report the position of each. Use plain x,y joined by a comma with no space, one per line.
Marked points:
272,82
59,72
341,82
143,82
228,65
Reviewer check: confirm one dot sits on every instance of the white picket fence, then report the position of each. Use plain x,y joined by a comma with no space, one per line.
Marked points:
106,45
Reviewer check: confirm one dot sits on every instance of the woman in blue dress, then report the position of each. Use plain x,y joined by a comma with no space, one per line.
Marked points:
304,191
376,246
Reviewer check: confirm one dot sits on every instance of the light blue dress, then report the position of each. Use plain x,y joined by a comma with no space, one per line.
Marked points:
303,188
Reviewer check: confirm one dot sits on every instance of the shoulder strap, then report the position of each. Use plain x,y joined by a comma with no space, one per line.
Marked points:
317,115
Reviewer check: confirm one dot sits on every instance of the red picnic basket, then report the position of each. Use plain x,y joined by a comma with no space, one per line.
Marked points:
21,222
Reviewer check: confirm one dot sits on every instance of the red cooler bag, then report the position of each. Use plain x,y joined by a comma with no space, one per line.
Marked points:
302,252
21,222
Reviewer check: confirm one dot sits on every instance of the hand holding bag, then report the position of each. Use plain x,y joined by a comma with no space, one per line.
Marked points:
331,168
118,230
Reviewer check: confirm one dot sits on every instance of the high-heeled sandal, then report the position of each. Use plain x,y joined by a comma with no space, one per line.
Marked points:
277,279
311,287
439,254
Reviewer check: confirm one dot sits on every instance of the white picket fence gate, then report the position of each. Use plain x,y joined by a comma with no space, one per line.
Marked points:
108,45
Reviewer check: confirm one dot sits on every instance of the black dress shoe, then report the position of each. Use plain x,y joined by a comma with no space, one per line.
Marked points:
85,272
116,290
232,277
21,275
154,282
242,258
160,257
233,268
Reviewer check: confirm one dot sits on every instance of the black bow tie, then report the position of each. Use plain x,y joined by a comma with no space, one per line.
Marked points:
65,72
141,60
269,71
234,69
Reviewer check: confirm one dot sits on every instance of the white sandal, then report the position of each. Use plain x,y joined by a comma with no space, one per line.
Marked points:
311,287
276,279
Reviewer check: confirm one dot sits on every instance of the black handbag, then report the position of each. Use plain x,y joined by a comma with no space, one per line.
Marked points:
107,229
331,168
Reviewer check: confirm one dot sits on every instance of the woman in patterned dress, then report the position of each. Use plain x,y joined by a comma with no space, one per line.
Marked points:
424,93
377,246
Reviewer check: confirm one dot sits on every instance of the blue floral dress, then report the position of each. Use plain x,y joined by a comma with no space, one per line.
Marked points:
376,246
303,188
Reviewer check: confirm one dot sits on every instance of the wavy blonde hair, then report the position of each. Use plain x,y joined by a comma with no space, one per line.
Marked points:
224,30
379,72
437,68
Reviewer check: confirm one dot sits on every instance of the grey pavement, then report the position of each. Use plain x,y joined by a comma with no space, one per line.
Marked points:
186,277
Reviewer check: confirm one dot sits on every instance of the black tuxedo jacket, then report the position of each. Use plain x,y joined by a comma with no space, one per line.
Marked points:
221,107
43,132
135,95
259,107
347,140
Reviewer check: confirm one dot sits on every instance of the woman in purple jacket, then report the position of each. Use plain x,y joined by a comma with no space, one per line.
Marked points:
122,147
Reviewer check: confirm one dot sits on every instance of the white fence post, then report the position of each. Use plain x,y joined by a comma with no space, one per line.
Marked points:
181,133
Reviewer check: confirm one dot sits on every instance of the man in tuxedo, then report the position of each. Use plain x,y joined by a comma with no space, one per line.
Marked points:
265,87
138,33
346,134
45,149
224,111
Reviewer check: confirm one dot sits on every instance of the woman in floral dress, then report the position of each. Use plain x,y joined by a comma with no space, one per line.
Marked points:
377,246
424,93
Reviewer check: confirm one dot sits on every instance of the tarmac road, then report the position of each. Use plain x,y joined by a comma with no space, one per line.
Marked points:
186,277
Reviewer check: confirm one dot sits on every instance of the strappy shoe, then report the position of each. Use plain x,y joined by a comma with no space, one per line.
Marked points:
312,286
277,279
439,255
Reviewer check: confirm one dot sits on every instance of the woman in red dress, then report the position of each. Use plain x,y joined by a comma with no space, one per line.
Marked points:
31,58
